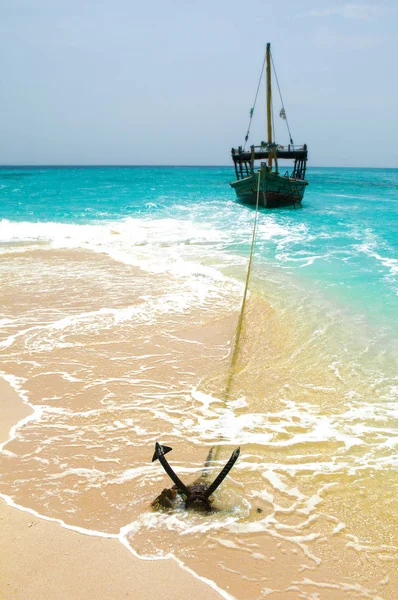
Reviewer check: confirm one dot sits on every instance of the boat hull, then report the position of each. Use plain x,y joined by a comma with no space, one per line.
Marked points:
275,190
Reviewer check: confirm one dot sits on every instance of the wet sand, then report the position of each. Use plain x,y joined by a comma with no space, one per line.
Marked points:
39,559
12,409
115,358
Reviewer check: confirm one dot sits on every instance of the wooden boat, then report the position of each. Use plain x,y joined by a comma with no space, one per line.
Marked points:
275,189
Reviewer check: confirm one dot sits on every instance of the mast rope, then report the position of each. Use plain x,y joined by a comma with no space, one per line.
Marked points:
280,95
254,104
215,450
272,117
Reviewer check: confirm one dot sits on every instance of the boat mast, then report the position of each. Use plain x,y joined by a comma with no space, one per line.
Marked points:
269,98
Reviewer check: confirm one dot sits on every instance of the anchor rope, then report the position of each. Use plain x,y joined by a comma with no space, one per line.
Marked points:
235,353
215,450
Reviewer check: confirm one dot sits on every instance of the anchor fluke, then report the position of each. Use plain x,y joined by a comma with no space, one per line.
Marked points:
160,450
220,478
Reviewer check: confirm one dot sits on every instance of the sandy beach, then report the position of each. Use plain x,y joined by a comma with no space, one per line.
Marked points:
39,559
113,358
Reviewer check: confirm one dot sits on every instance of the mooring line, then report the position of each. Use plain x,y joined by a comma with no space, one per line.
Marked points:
197,495
235,353
215,450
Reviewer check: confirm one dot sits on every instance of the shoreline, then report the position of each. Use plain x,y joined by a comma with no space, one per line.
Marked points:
13,410
41,558
99,333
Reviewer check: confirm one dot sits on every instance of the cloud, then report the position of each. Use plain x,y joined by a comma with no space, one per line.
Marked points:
326,37
362,12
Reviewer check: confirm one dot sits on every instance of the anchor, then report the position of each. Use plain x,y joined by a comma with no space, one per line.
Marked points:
197,495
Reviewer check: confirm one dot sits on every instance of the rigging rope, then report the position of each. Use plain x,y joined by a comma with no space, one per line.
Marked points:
272,117
215,450
254,105
280,95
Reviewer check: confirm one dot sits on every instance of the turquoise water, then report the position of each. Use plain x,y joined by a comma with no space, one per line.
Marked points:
344,240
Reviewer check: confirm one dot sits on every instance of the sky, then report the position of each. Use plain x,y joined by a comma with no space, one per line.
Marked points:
156,82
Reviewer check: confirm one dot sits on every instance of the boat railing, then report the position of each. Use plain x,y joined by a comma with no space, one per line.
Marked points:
244,159
288,148
264,150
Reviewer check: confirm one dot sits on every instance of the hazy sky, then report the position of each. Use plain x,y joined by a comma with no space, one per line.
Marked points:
172,82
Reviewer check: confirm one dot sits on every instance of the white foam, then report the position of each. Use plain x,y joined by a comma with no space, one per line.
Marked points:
370,248
105,318
161,245
16,383
92,476
343,586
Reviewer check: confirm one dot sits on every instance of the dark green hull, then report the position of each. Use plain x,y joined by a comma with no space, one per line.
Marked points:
275,190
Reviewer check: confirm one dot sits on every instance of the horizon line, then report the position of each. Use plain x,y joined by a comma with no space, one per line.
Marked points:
110,166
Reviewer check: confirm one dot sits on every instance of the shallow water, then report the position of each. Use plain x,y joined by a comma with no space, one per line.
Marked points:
121,291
